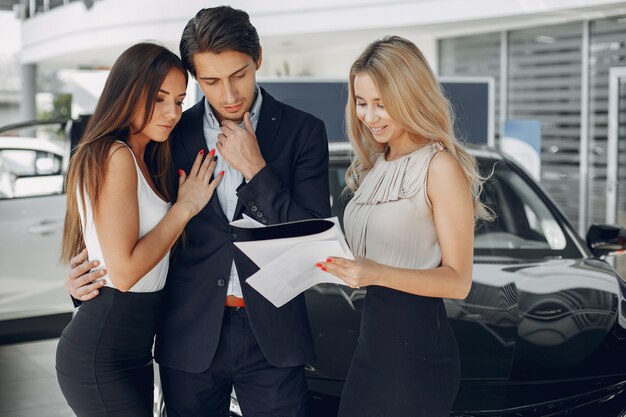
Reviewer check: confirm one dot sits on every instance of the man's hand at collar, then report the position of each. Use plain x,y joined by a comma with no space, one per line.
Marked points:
239,147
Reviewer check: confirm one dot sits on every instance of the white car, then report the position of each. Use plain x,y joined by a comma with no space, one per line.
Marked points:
33,301
30,167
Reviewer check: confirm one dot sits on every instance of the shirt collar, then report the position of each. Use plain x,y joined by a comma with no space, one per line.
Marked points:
255,110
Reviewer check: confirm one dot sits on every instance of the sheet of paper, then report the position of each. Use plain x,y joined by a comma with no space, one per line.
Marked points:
247,222
294,271
287,264
262,252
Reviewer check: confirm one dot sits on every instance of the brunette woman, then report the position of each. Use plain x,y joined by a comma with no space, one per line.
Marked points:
118,209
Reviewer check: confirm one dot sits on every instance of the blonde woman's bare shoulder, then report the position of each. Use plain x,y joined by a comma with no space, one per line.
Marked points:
445,164
445,175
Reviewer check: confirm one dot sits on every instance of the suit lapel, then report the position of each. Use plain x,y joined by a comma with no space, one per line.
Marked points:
269,120
192,132
266,130
193,140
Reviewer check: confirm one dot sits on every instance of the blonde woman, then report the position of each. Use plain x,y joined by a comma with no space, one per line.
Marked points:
411,226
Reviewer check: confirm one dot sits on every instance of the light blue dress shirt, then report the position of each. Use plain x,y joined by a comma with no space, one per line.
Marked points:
227,188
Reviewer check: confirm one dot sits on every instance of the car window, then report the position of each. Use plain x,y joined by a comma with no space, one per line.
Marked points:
33,160
29,163
524,226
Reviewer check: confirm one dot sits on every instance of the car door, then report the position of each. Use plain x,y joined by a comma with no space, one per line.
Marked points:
485,323
568,305
31,276
33,301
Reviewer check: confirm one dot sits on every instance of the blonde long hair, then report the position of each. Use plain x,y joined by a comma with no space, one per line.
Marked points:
134,81
414,100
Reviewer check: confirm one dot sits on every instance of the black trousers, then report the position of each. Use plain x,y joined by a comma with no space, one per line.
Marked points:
262,390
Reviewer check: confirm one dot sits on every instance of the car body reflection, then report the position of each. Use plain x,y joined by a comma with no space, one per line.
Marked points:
542,330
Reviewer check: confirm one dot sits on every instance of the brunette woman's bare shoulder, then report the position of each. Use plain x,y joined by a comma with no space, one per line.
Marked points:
120,160
116,147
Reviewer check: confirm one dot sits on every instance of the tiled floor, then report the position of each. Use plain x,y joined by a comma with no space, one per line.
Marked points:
28,384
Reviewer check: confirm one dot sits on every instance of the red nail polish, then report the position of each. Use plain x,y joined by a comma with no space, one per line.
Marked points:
323,269
212,152
329,260
318,265
201,151
180,172
222,173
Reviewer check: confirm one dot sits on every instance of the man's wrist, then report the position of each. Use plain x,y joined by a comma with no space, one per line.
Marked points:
253,171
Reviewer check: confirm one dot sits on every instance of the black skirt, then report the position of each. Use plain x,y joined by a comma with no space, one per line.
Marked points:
406,362
104,356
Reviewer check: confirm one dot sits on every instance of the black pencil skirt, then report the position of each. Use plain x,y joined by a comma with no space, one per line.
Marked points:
104,356
406,362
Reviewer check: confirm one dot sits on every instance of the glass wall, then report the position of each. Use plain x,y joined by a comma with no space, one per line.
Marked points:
544,85
544,82
31,8
621,164
607,49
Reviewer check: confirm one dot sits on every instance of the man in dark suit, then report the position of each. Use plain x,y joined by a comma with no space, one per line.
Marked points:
218,332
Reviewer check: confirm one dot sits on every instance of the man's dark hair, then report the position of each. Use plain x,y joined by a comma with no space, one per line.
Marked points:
217,30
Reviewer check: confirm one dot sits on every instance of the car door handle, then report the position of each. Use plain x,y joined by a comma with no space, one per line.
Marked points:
45,227
548,312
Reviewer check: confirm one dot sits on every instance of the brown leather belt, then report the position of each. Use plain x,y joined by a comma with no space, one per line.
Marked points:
232,301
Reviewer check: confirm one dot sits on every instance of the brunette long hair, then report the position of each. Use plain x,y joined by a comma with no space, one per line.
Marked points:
134,80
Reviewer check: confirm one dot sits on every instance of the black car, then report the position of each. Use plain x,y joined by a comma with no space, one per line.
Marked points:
543,330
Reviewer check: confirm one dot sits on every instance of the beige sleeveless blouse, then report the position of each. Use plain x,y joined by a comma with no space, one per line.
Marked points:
390,220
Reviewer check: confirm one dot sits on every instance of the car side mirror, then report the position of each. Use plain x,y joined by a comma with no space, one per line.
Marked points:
606,240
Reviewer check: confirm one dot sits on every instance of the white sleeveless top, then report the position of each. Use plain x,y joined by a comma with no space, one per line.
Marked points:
151,210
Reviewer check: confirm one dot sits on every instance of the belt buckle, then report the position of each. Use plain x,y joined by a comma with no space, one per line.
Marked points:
234,303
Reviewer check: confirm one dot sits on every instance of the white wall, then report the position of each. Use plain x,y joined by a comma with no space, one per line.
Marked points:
333,61
299,38
324,33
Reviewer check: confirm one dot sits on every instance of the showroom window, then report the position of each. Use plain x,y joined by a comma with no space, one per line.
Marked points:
559,75
607,49
607,52
544,84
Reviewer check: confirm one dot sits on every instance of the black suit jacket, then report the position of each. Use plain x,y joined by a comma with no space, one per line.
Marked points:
293,186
